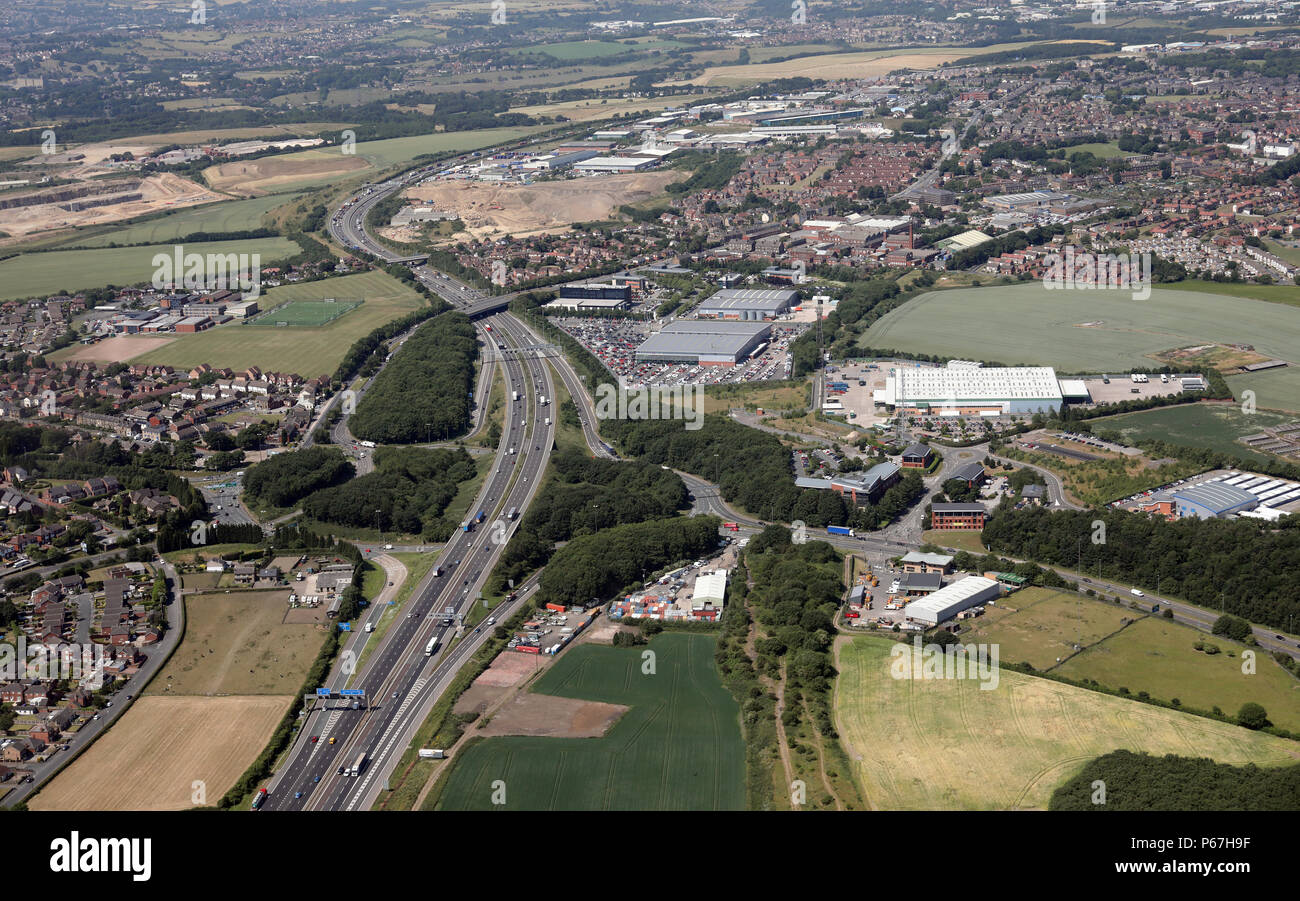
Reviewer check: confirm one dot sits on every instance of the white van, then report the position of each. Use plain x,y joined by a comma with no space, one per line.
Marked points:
1136,593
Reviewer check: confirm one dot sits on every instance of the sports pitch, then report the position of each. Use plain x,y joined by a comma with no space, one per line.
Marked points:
944,744
305,313
679,747
1080,331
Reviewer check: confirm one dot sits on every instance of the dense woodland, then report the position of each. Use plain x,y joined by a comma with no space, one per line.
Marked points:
586,495
1243,567
1142,782
285,479
600,565
753,470
424,393
408,491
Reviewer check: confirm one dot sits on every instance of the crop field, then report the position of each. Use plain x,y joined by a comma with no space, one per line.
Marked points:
581,50
1213,426
1157,656
164,751
284,172
678,748
944,744
1275,389
230,216
42,274
306,350
1039,626
392,151
1080,331
306,313
236,643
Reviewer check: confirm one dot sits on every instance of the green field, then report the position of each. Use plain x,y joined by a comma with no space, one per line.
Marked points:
581,50
1155,655
308,351
305,313
678,748
1275,389
1039,626
392,151
1028,324
944,744
1102,151
230,216
42,274
1212,426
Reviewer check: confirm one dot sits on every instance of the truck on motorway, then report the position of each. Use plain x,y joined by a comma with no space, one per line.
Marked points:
513,514
548,420
437,571
480,517
259,799
840,530
541,399
431,646
467,526
733,526
358,765
370,627
514,395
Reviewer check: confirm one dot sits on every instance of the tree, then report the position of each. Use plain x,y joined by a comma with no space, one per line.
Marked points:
1252,716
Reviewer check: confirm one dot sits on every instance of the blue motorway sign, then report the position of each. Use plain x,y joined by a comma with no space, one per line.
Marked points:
352,692
345,627
323,692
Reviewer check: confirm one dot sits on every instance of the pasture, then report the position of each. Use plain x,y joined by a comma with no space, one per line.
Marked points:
944,744
1157,656
42,274
236,643
167,754
679,747
1038,626
229,216
1082,330
1275,389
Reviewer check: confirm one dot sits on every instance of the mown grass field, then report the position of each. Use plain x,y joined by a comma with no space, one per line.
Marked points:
678,748
305,313
234,215
306,350
944,744
1082,330
1157,656
1213,426
42,274
1038,626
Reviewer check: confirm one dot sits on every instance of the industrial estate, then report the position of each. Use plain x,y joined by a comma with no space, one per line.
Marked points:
551,408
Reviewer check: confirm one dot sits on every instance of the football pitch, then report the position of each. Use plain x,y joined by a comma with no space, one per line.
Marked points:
306,312
678,747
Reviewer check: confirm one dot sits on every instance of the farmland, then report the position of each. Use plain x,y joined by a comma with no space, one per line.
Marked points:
1039,626
678,748
1157,656
308,351
944,744
1079,331
42,274
1276,389
236,643
1212,426
229,216
163,751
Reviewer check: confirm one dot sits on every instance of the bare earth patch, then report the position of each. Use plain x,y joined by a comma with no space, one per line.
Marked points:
529,713
254,177
114,350
521,210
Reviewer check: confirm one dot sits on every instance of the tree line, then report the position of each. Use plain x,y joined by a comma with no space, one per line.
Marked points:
1136,781
285,479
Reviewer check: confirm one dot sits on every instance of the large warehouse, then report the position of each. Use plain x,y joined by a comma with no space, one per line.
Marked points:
748,303
704,342
1210,500
950,600
971,390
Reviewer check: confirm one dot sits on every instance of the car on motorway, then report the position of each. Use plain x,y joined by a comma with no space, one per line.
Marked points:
317,779
315,738
394,694
297,795
333,739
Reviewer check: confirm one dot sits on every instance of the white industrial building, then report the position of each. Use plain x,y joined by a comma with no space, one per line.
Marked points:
710,591
947,602
748,303
605,164
967,389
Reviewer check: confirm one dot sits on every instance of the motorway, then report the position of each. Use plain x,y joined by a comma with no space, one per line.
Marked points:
399,679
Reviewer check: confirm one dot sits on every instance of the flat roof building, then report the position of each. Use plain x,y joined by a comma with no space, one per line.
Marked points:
703,342
1210,500
748,303
950,600
971,390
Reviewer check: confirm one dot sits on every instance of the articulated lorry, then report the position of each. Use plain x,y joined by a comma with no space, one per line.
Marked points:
840,530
